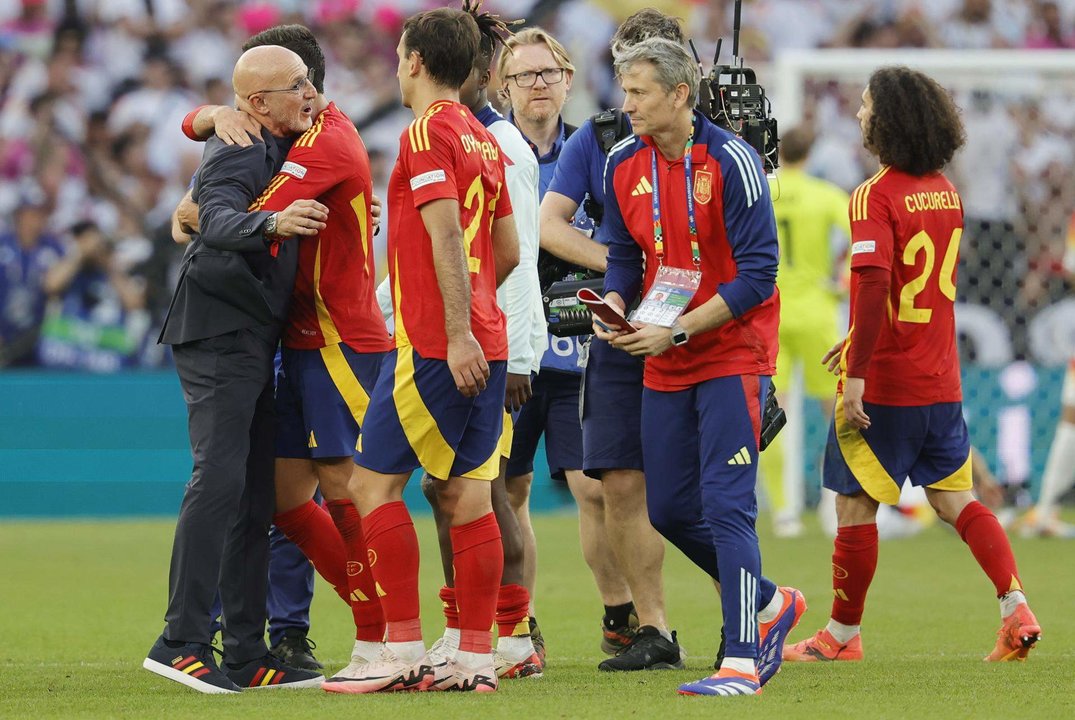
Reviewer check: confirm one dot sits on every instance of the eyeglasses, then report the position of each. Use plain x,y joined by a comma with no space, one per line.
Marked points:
296,88
527,78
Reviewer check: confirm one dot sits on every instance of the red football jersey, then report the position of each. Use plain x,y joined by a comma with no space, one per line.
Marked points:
446,153
910,226
334,299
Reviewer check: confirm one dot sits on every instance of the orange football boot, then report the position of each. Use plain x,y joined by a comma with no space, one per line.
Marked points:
1016,636
823,647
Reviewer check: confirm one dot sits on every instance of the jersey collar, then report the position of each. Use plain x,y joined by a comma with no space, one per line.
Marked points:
488,115
557,144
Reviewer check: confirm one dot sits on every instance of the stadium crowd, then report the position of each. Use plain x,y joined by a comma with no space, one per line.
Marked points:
93,160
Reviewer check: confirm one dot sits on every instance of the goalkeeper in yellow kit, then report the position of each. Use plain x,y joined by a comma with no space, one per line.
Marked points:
813,229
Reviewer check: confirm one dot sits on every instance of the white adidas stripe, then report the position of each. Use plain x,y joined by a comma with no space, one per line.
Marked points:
740,688
747,153
747,171
612,151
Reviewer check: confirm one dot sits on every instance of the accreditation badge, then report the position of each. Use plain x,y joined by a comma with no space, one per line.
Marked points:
669,296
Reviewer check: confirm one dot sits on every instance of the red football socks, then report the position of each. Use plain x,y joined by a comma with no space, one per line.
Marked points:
312,530
393,556
854,560
512,611
479,564
981,530
451,607
362,588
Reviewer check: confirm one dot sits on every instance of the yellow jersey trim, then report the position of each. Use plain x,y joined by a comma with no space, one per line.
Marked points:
343,377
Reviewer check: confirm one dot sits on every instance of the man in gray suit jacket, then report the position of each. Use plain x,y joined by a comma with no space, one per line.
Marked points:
224,325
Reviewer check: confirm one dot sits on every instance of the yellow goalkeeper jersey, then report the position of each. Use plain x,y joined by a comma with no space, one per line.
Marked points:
807,211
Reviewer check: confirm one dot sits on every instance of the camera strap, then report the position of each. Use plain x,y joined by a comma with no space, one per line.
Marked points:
658,228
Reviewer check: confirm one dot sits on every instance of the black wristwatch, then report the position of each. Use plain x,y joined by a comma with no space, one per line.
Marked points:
269,229
679,335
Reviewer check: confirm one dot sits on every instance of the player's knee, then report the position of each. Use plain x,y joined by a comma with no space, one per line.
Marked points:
518,489
948,505
624,490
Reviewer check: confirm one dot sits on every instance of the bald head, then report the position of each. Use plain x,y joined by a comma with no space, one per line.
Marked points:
265,67
271,85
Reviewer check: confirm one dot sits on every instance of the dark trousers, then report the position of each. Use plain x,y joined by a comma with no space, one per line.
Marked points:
291,588
222,534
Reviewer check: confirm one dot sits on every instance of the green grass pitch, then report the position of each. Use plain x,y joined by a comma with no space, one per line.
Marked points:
80,604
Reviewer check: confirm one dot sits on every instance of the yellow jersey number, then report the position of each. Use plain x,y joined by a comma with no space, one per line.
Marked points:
923,243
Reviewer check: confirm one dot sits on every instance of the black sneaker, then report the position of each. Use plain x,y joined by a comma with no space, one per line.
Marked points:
649,650
296,650
720,650
537,638
190,664
617,639
267,672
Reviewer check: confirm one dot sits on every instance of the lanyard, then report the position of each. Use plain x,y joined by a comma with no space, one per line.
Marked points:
658,229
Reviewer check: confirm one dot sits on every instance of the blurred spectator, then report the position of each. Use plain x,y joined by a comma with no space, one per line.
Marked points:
28,254
92,93
1046,30
96,319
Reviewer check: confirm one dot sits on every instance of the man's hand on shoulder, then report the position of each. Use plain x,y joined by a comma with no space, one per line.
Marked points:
235,127
467,363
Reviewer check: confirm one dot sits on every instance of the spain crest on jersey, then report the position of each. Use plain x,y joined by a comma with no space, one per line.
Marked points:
703,187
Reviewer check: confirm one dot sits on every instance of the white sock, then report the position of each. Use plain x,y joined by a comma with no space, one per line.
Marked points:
1059,470
770,611
515,649
665,634
472,660
740,665
841,633
366,650
410,652
1010,601
451,638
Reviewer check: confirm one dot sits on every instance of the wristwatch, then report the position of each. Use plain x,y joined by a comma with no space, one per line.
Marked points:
679,335
270,226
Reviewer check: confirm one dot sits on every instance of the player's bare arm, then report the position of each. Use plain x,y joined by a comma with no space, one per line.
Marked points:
505,247
565,241
232,126
465,357
184,220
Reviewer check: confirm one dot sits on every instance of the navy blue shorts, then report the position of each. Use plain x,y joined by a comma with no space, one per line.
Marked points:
927,444
420,419
611,410
554,411
321,400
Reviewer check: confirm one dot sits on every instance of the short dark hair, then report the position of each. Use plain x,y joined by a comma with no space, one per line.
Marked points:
643,25
447,39
300,40
795,144
82,227
914,125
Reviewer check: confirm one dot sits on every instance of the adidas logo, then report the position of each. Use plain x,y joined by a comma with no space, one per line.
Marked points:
643,187
741,458
312,442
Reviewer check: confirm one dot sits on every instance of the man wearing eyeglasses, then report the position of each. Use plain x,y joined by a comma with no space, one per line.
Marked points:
333,344
223,325
536,73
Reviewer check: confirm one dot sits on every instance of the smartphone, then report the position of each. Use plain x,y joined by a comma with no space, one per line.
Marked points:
604,314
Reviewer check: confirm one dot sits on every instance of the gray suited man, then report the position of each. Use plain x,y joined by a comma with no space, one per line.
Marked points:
224,325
